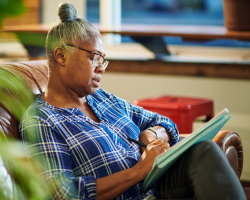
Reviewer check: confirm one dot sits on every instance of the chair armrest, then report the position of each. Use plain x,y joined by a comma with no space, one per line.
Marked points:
231,145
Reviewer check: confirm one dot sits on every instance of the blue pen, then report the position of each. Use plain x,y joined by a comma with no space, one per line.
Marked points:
137,142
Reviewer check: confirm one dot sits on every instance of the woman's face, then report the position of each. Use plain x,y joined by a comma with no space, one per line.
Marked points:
80,76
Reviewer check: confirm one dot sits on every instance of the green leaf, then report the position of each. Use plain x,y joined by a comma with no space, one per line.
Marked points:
15,7
10,8
3,3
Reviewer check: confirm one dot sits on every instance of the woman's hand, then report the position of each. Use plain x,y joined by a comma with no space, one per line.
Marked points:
111,186
148,136
155,148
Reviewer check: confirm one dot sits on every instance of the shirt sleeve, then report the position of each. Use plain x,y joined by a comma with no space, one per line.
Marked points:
145,119
48,145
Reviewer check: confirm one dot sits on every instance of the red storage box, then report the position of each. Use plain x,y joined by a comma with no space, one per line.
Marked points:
181,110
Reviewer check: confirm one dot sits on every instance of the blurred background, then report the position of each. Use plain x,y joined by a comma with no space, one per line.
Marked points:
233,93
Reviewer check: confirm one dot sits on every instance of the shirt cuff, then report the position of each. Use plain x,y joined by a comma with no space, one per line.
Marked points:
89,187
173,132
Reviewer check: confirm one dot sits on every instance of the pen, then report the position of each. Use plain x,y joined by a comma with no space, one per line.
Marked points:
137,142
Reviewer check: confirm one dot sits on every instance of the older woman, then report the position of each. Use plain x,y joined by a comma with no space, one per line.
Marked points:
81,131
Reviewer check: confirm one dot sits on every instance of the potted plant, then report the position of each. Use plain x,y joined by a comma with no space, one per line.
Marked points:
18,175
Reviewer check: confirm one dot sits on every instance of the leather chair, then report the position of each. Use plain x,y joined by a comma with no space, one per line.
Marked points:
35,75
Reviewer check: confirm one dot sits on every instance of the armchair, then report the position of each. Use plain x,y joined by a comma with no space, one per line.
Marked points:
35,75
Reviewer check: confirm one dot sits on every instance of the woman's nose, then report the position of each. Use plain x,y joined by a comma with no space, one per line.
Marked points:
100,69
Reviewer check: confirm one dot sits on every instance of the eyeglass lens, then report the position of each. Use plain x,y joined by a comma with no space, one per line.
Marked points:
98,60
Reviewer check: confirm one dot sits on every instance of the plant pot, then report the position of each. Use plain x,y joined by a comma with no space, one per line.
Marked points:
237,14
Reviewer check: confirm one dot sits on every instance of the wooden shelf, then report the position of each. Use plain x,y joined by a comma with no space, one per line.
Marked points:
197,69
184,31
233,70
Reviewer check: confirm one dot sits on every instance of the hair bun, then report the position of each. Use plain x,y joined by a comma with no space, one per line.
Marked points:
67,12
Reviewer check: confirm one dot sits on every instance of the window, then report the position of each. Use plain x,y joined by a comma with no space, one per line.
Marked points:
181,12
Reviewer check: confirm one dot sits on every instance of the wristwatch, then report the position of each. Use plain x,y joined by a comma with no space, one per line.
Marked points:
154,131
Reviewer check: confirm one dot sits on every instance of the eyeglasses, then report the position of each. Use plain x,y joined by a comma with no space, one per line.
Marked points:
98,60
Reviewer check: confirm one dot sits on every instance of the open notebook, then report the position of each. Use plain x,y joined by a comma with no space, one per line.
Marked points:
165,160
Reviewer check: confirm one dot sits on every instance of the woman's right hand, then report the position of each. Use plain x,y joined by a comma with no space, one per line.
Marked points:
111,186
146,161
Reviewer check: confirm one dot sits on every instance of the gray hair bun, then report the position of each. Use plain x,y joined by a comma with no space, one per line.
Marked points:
67,12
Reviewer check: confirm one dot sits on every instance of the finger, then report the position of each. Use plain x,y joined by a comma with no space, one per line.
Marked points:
159,146
156,145
165,146
162,144
164,150
157,142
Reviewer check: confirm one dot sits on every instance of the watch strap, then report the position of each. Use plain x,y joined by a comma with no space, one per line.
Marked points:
154,131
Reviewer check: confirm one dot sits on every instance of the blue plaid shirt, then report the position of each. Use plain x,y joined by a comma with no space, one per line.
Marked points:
77,150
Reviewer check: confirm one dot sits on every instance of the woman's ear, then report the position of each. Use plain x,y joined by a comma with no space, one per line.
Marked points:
59,55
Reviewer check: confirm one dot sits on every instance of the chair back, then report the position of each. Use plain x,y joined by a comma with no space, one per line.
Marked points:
34,74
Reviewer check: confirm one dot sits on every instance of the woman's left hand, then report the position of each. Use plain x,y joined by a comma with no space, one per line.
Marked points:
148,137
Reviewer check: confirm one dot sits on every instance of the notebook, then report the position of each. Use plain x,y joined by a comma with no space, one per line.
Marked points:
165,160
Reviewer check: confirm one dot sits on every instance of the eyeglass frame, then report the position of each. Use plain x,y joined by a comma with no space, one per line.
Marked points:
104,63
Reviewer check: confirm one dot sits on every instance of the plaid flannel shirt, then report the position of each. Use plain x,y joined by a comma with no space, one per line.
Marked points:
77,150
